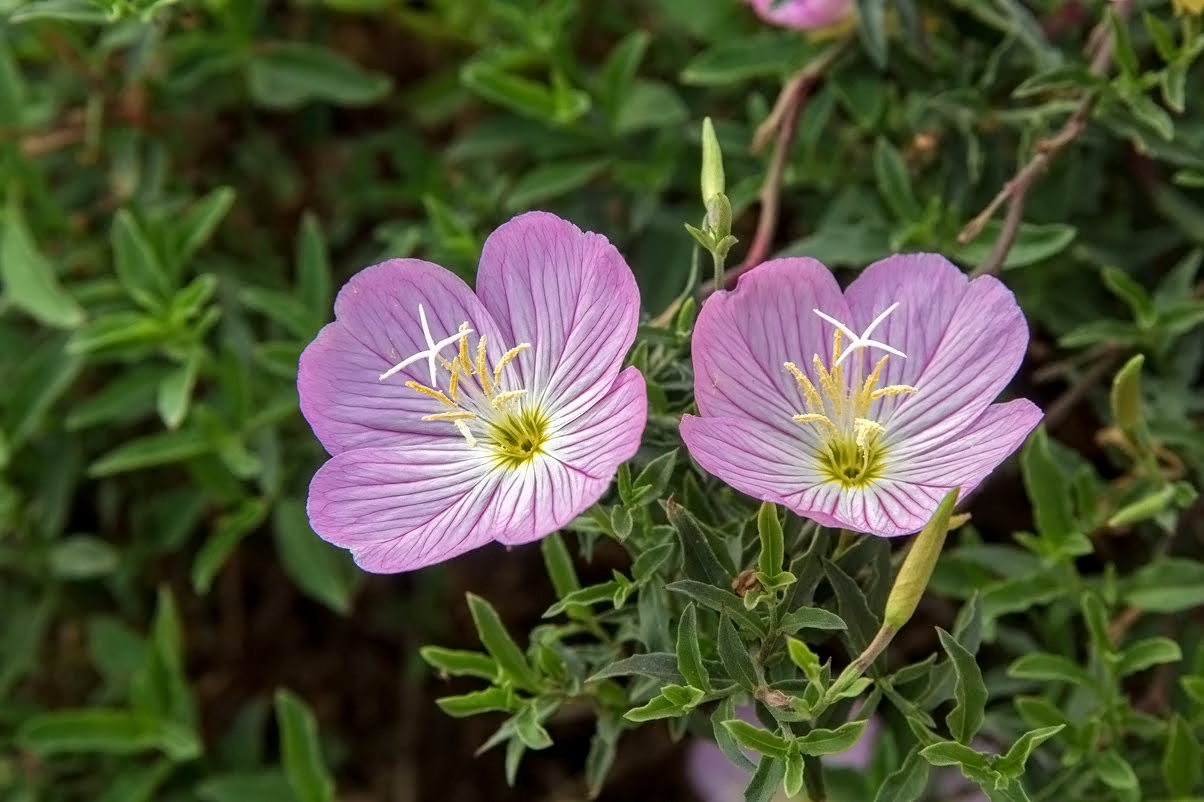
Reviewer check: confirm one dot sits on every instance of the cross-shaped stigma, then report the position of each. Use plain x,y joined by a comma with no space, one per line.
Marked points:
432,349
864,340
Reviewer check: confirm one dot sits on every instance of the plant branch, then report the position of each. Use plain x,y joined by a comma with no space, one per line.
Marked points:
1100,45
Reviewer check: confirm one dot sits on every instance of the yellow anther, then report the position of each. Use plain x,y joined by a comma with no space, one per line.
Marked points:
501,399
827,381
454,415
465,362
482,370
453,384
505,360
811,417
809,392
430,393
894,389
462,427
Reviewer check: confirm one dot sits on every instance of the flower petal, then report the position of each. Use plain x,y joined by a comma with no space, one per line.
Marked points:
802,14
753,458
376,326
571,296
402,508
979,353
965,459
928,288
579,467
744,336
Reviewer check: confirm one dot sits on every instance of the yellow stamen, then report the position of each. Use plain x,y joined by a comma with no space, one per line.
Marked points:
465,362
453,384
454,415
501,399
505,360
482,370
894,389
431,393
463,429
812,417
809,392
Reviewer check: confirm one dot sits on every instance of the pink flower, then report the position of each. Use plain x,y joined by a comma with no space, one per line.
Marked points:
865,431
802,14
454,419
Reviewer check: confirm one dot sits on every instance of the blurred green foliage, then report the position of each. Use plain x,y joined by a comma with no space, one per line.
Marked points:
187,182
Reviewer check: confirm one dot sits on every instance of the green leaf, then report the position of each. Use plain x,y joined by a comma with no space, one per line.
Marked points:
658,707
101,731
497,642
460,663
83,557
832,742
653,479
160,686
1034,243
1123,52
1012,764
1047,488
553,180
324,572
175,392
766,780
1052,668
700,562
853,606
1170,585
314,281
759,740
948,753
649,106
301,752
1181,766
773,546
967,716
285,75
735,657
738,58
559,565
894,182
657,665
138,267
871,27
152,450
528,726
524,96
1146,653
202,219
489,700
689,655
806,660
82,11
720,600
1115,771
246,786
906,783
30,281
810,618
1124,287
229,531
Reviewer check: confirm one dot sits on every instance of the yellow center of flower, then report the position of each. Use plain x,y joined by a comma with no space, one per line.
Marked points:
851,453
488,416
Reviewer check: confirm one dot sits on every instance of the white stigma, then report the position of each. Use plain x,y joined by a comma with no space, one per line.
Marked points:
432,349
864,340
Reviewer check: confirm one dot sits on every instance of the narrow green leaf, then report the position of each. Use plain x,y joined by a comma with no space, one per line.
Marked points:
894,182
758,739
773,547
969,690
1047,487
101,731
1147,653
723,601
810,618
175,392
1115,771
229,531
906,783
871,26
460,663
766,780
301,751
30,281
735,657
657,665
832,742
77,557
658,707
138,267
689,654
202,219
1052,668
1181,765
497,642
700,563
246,786
285,75
147,452
1012,764
489,700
